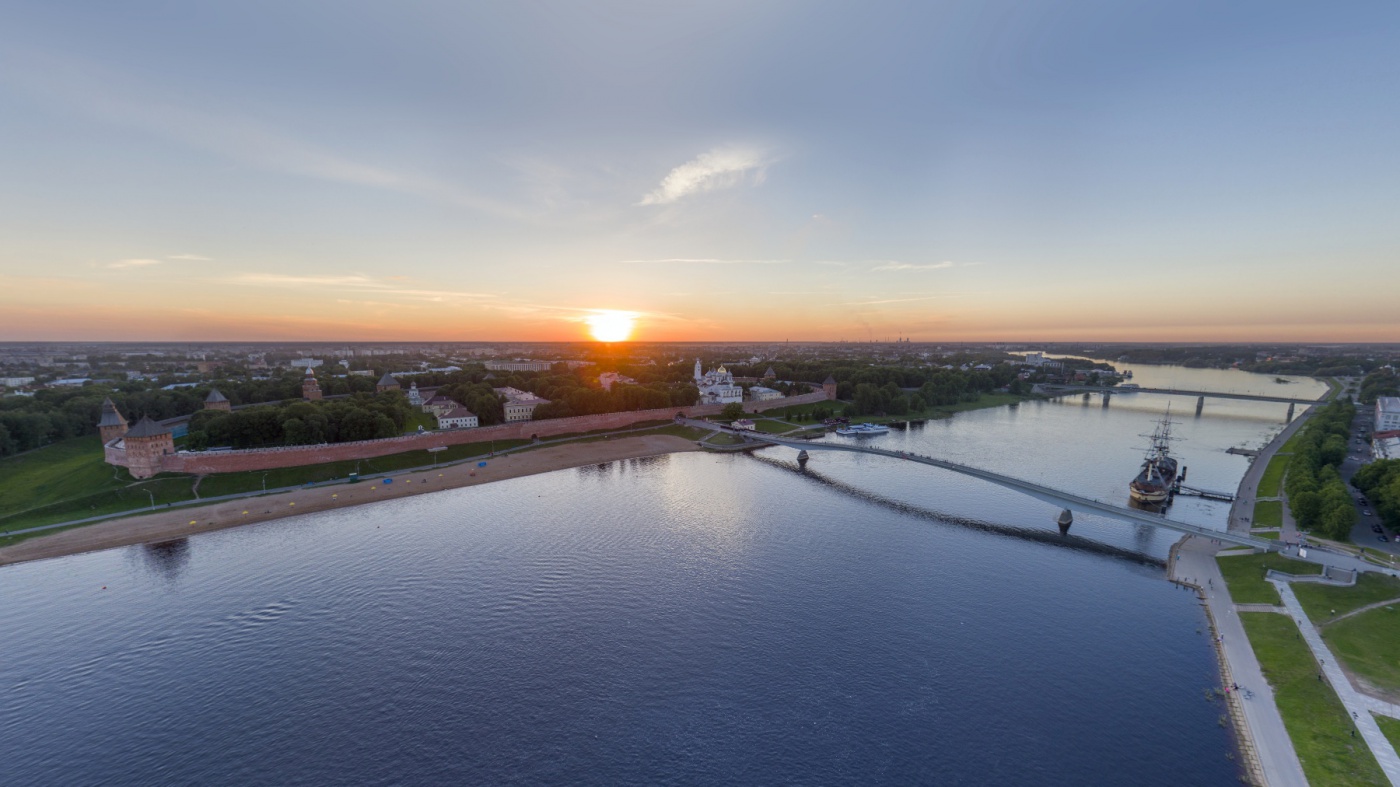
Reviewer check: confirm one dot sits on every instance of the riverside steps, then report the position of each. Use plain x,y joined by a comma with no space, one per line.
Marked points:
1067,501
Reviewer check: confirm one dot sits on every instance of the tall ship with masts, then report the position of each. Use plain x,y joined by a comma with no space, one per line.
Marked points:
1155,482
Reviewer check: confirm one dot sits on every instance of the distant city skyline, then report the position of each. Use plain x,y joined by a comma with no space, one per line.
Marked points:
725,171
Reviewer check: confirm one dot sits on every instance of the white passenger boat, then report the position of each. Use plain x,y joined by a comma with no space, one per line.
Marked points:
862,429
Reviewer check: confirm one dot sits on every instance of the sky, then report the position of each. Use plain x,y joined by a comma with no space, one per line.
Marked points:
722,171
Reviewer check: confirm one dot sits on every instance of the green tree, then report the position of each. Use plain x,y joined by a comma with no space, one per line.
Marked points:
732,412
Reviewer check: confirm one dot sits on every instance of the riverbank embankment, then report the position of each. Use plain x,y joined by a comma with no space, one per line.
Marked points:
190,520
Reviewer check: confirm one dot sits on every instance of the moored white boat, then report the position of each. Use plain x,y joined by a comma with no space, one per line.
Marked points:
857,430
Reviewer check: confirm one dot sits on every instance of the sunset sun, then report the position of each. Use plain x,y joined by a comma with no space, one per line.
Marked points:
611,326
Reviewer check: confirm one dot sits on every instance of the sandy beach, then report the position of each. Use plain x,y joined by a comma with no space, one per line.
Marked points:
189,520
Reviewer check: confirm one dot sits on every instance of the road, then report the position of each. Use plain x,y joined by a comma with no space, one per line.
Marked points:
1358,455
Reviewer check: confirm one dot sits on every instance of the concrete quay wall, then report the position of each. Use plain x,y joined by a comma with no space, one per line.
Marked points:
204,462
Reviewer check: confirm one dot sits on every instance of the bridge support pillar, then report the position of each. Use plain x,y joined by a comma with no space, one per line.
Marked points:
1106,396
1289,418
1200,404
802,458
1066,519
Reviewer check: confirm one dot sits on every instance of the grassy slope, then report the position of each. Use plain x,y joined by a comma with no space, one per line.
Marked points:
1316,720
1271,483
1369,645
1391,728
1319,600
1268,513
1244,574
69,480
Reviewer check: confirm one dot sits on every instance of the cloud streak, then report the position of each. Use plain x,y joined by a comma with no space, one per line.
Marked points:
352,282
103,93
133,263
896,265
720,168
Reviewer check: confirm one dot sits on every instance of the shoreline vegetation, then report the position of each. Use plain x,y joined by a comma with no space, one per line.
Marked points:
69,481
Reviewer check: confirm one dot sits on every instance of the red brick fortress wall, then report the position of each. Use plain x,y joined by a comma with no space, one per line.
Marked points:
293,456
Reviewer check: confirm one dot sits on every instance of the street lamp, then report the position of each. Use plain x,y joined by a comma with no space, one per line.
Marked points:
153,499
264,482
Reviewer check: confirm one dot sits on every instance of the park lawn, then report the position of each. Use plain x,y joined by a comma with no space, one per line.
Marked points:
1291,444
1271,483
1272,535
426,420
1391,728
1369,645
1244,575
773,427
1320,601
1268,513
1316,720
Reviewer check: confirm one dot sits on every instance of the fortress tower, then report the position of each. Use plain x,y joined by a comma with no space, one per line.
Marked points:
387,383
829,388
112,425
310,389
216,401
145,443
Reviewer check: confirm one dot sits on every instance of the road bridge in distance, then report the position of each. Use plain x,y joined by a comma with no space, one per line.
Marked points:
1067,501
1201,396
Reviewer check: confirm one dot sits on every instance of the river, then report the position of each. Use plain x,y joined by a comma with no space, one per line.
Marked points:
686,619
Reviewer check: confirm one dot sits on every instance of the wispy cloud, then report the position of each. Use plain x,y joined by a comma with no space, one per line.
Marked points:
190,258
894,300
353,282
702,261
717,169
104,93
133,263
896,265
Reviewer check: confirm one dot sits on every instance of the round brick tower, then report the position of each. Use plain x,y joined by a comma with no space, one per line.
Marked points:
310,389
829,387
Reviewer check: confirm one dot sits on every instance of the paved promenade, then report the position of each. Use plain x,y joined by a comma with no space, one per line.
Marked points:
1195,564
1355,705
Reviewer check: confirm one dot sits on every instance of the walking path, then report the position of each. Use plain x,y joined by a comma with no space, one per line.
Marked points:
1195,564
1355,705
1380,706
1359,610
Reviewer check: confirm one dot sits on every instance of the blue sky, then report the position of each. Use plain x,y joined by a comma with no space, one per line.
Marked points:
725,170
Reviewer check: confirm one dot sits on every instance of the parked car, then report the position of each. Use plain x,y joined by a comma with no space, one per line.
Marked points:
1365,512
1376,529
1382,538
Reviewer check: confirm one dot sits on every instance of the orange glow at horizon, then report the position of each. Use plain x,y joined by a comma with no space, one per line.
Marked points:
607,325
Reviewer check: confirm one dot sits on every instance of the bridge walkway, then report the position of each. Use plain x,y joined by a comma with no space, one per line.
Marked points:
1045,494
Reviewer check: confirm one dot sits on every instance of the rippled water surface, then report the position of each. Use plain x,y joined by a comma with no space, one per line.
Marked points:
680,620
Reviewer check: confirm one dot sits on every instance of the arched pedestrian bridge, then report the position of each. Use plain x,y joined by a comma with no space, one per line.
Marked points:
1055,497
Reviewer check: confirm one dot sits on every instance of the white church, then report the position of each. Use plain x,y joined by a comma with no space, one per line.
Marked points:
717,386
